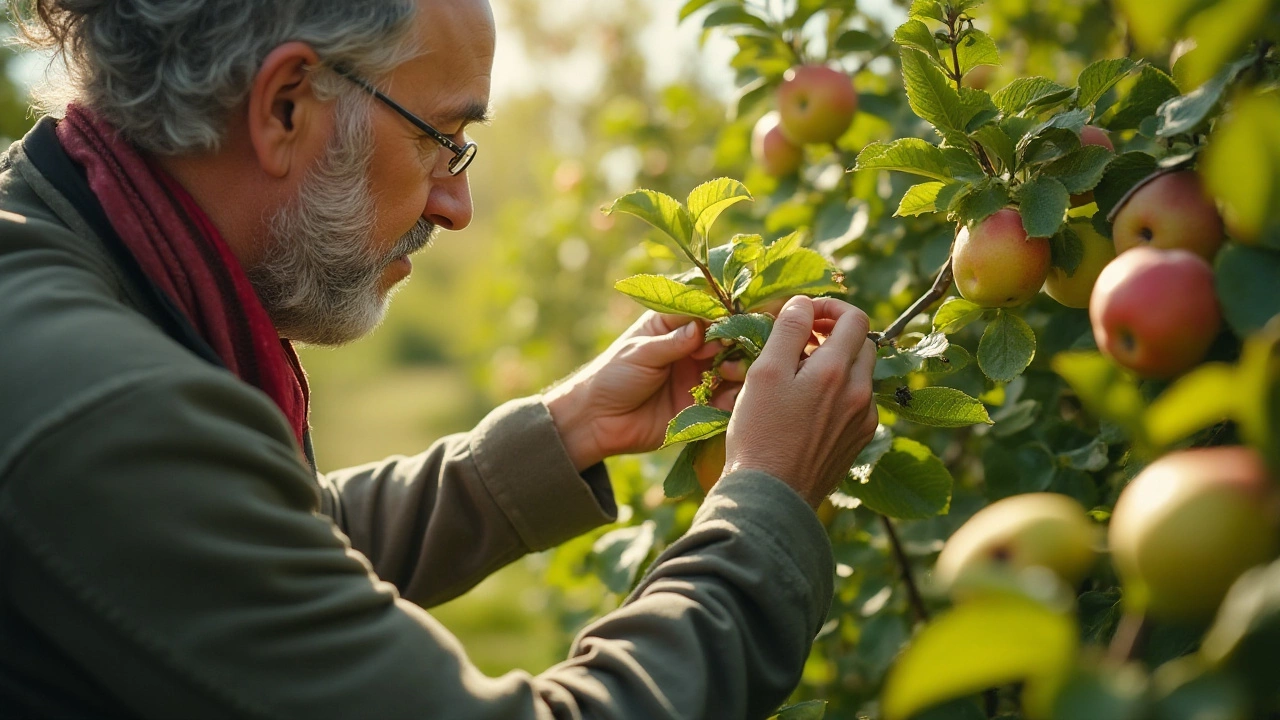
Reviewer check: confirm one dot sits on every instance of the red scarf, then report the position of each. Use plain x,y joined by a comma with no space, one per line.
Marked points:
181,251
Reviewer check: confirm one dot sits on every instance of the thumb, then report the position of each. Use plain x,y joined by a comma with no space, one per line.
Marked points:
790,335
678,344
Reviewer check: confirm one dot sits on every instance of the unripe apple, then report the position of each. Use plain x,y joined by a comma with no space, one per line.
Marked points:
1170,212
1074,291
772,150
1033,530
709,464
1188,525
816,104
996,264
1091,135
1155,311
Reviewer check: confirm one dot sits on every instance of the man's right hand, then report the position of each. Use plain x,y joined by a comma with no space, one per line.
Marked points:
803,418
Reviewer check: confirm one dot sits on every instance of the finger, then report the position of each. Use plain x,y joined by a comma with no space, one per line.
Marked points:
708,350
665,349
790,334
726,397
864,366
733,371
846,337
655,323
828,308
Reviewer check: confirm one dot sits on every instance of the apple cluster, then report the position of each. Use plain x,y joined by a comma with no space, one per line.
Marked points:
1150,292
816,105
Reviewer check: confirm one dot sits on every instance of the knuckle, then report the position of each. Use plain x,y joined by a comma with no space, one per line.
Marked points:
765,372
792,324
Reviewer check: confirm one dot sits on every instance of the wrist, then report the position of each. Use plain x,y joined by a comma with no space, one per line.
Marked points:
569,415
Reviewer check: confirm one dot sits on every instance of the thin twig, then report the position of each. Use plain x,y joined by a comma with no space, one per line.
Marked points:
908,579
1127,641
940,287
720,293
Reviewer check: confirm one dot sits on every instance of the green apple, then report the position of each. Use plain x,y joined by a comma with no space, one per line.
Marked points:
996,264
816,104
772,150
1091,135
1034,530
1073,291
1170,212
1188,525
1155,311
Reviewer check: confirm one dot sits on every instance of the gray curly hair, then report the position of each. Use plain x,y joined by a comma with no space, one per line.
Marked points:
167,73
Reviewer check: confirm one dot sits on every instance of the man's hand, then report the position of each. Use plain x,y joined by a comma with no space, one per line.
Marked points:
623,400
803,418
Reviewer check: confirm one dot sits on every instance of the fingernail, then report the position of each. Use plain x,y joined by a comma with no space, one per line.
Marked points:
690,330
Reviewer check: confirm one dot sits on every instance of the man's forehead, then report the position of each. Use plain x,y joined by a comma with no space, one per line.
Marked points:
455,59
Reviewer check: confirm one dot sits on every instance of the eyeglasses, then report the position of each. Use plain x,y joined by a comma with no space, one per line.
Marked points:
462,154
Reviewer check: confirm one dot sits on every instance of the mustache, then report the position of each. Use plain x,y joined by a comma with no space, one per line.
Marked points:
419,236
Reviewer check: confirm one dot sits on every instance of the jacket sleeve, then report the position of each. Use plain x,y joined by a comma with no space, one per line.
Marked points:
164,538
438,523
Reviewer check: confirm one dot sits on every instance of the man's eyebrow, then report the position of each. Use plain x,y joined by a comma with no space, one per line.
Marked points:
472,112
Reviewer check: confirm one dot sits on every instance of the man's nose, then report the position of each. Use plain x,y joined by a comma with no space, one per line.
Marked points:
449,204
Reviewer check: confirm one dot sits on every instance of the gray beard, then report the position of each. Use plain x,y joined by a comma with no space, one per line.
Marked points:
320,275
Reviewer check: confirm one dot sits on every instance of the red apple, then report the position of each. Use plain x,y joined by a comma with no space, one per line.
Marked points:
1188,525
996,264
772,150
1171,211
1091,135
816,103
1074,291
1155,311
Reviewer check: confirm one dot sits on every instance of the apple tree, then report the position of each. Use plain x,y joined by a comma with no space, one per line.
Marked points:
1071,508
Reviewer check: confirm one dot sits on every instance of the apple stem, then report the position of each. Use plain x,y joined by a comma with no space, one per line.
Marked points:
940,287
904,563
1127,641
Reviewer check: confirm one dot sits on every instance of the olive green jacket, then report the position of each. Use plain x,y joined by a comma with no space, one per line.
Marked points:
165,552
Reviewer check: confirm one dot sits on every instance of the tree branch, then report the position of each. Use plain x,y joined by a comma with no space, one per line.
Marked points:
1127,641
721,295
940,287
908,579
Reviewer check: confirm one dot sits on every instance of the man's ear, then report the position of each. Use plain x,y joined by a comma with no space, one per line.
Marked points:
286,122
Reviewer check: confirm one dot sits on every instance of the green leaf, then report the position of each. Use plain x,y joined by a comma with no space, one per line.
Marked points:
1220,33
998,143
915,34
1186,113
985,643
978,110
1007,347
1125,171
879,446
897,361
621,553
750,331
909,482
1202,398
1027,469
1068,250
1153,24
1247,280
1089,458
1081,170
1246,634
857,41
976,48
1100,77
802,272
1044,203
930,94
1104,693
955,314
981,202
811,710
911,155
937,407
927,10
1152,88
668,296
962,164
1105,390
682,480
693,6
734,15
661,211
709,200
696,422
1048,144
1028,93
955,359
744,251
1241,166
920,199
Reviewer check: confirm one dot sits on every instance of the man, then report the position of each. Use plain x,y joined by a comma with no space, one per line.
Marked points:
233,172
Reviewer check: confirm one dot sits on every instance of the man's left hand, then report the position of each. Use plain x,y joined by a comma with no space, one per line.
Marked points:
623,400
